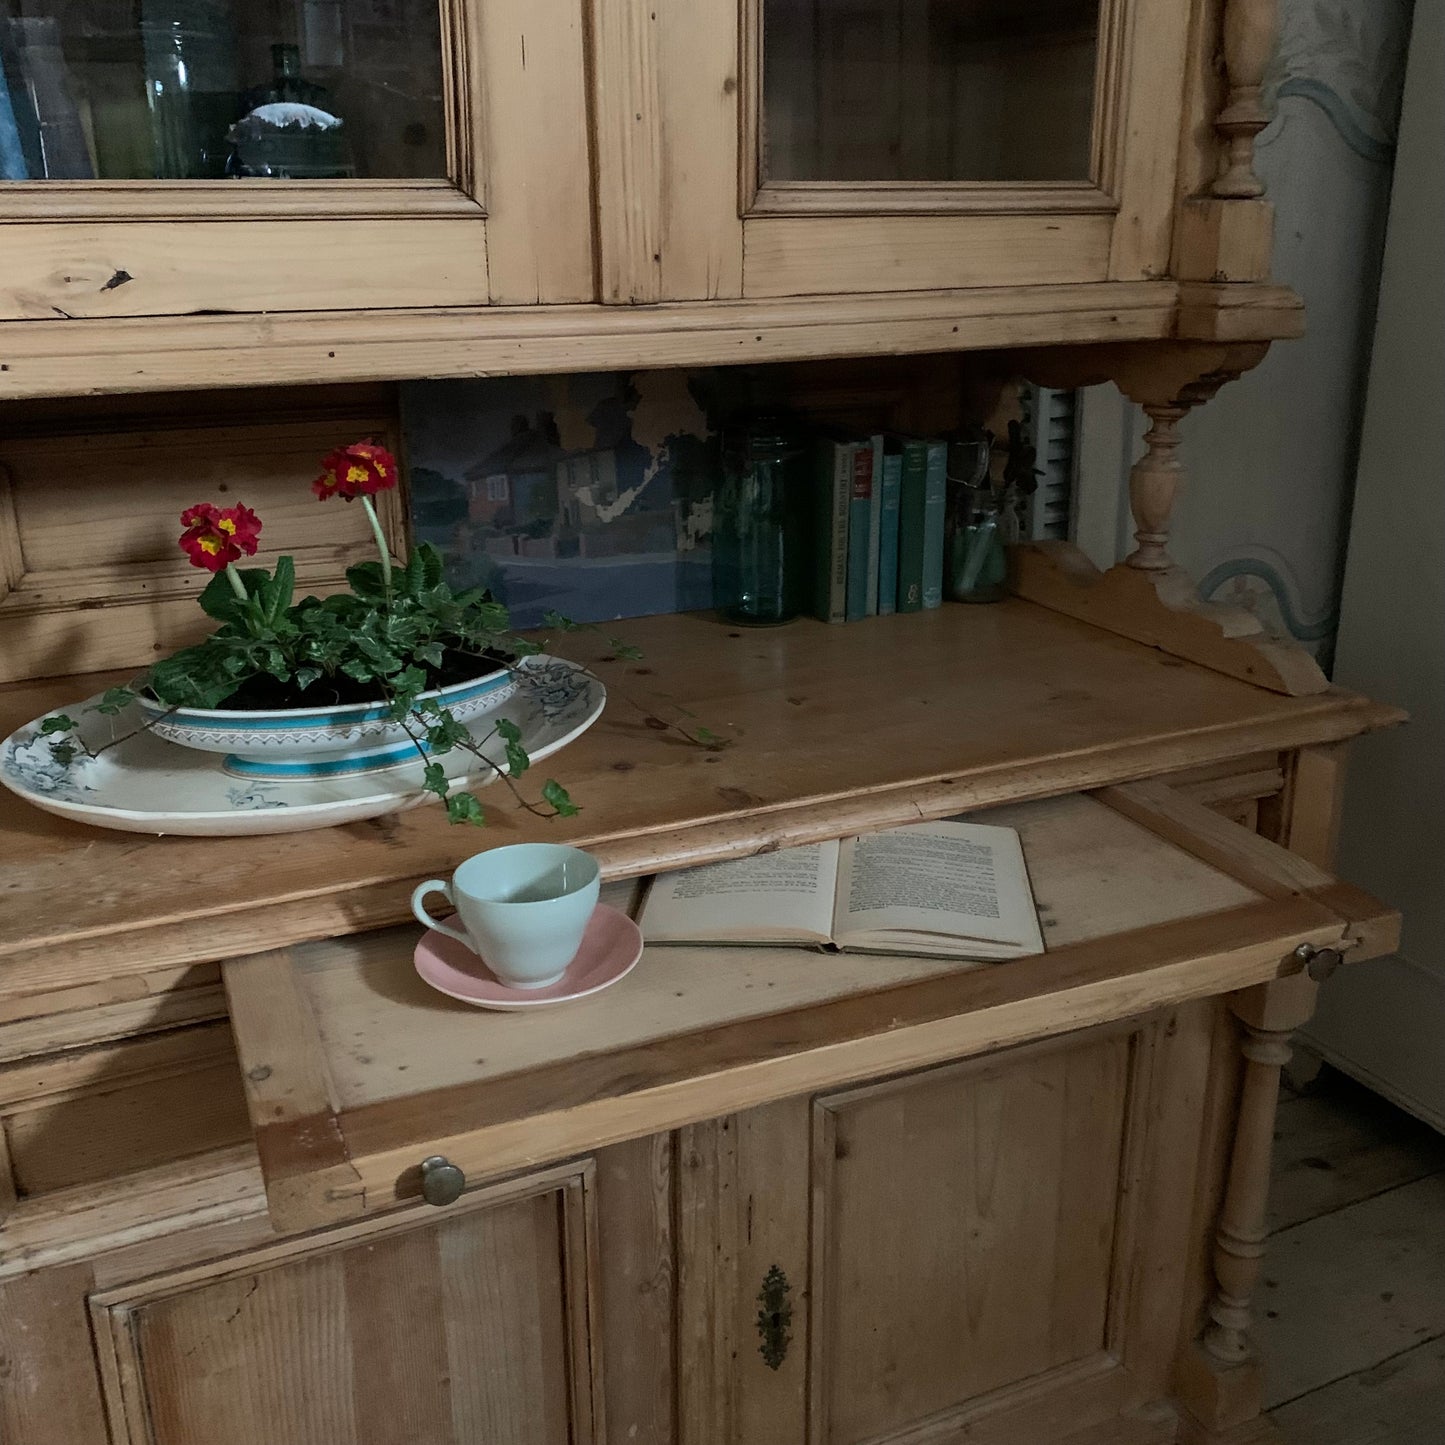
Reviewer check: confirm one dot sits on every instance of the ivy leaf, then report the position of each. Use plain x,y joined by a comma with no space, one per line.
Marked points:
114,700
464,808
60,723
446,733
555,622
359,670
434,779
625,650
305,676
517,760
554,793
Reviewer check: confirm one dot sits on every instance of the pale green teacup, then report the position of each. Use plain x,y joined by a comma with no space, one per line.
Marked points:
523,909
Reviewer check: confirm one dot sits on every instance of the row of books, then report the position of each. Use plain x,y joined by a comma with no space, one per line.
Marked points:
881,505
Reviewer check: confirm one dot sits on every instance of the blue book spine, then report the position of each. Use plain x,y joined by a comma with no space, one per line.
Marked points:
935,500
875,520
892,490
860,509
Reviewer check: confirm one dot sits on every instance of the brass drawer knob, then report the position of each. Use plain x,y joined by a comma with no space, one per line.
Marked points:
1319,963
441,1181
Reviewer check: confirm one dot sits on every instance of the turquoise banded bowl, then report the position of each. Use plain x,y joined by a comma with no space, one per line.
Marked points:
317,742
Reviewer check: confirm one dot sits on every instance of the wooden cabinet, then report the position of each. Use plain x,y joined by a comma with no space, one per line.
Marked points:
457,1328
796,179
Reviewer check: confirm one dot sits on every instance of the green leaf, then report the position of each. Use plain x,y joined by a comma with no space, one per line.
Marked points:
625,649
219,600
555,622
114,700
60,723
433,568
434,779
358,670
305,676
446,733
464,808
365,579
554,793
508,731
278,591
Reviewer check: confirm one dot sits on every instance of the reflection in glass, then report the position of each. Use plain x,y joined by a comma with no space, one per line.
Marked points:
928,90
208,89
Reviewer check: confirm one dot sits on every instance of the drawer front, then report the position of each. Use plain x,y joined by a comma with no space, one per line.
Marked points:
473,1325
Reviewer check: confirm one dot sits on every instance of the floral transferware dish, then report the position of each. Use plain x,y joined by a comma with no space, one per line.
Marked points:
146,785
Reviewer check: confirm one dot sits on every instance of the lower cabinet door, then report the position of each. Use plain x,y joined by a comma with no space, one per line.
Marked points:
995,1248
466,1327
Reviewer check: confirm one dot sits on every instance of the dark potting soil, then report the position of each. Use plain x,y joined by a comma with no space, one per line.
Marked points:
267,694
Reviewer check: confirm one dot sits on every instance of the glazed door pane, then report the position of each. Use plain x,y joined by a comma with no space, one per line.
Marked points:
209,89
929,90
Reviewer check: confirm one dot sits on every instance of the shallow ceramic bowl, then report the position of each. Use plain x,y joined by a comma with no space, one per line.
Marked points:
316,742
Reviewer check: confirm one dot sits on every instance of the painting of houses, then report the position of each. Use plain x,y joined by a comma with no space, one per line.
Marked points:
590,494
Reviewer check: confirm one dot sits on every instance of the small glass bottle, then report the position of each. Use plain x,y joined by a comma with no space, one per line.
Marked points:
761,532
979,522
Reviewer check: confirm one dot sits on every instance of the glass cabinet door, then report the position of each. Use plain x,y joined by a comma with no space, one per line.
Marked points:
182,90
941,144
170,157
929,90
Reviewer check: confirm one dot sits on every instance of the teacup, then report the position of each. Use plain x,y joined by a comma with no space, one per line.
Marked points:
523,909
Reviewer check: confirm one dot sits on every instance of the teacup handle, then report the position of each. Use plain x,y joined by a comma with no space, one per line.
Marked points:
436,885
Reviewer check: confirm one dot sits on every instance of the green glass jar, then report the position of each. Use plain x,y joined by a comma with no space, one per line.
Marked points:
760,532
978,522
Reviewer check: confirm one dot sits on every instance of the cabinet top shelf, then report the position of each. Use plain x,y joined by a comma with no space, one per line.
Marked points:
832,730
96,355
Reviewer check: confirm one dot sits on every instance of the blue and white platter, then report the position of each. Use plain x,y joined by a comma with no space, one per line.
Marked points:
144,784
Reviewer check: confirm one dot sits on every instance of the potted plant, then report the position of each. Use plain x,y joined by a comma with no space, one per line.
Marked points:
400,666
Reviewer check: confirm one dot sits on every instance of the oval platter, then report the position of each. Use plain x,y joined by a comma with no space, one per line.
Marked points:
142,784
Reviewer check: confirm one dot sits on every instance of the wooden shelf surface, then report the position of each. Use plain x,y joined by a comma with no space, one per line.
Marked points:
832,730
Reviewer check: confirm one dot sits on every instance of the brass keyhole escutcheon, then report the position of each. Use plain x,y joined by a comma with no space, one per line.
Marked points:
775,1318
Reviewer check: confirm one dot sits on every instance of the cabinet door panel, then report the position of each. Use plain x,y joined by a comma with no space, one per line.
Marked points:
964,1228
451,1330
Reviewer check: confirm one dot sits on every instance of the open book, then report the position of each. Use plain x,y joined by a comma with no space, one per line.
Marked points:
947,890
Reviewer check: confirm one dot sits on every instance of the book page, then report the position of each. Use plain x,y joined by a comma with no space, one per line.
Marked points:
956,888
782,897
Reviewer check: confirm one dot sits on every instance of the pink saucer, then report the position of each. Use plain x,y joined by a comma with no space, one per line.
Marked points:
610,948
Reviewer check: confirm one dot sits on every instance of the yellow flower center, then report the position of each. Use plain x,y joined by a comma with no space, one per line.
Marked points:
227,526
211,545
356,474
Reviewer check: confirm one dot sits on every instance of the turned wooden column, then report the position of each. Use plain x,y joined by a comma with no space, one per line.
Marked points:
1250,28
1153,483
1239,1239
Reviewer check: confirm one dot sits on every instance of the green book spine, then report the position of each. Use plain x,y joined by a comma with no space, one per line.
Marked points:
860,513
835,476
912,498
935,501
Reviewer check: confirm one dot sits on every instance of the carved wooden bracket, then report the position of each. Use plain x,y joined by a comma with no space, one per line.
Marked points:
1148,597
